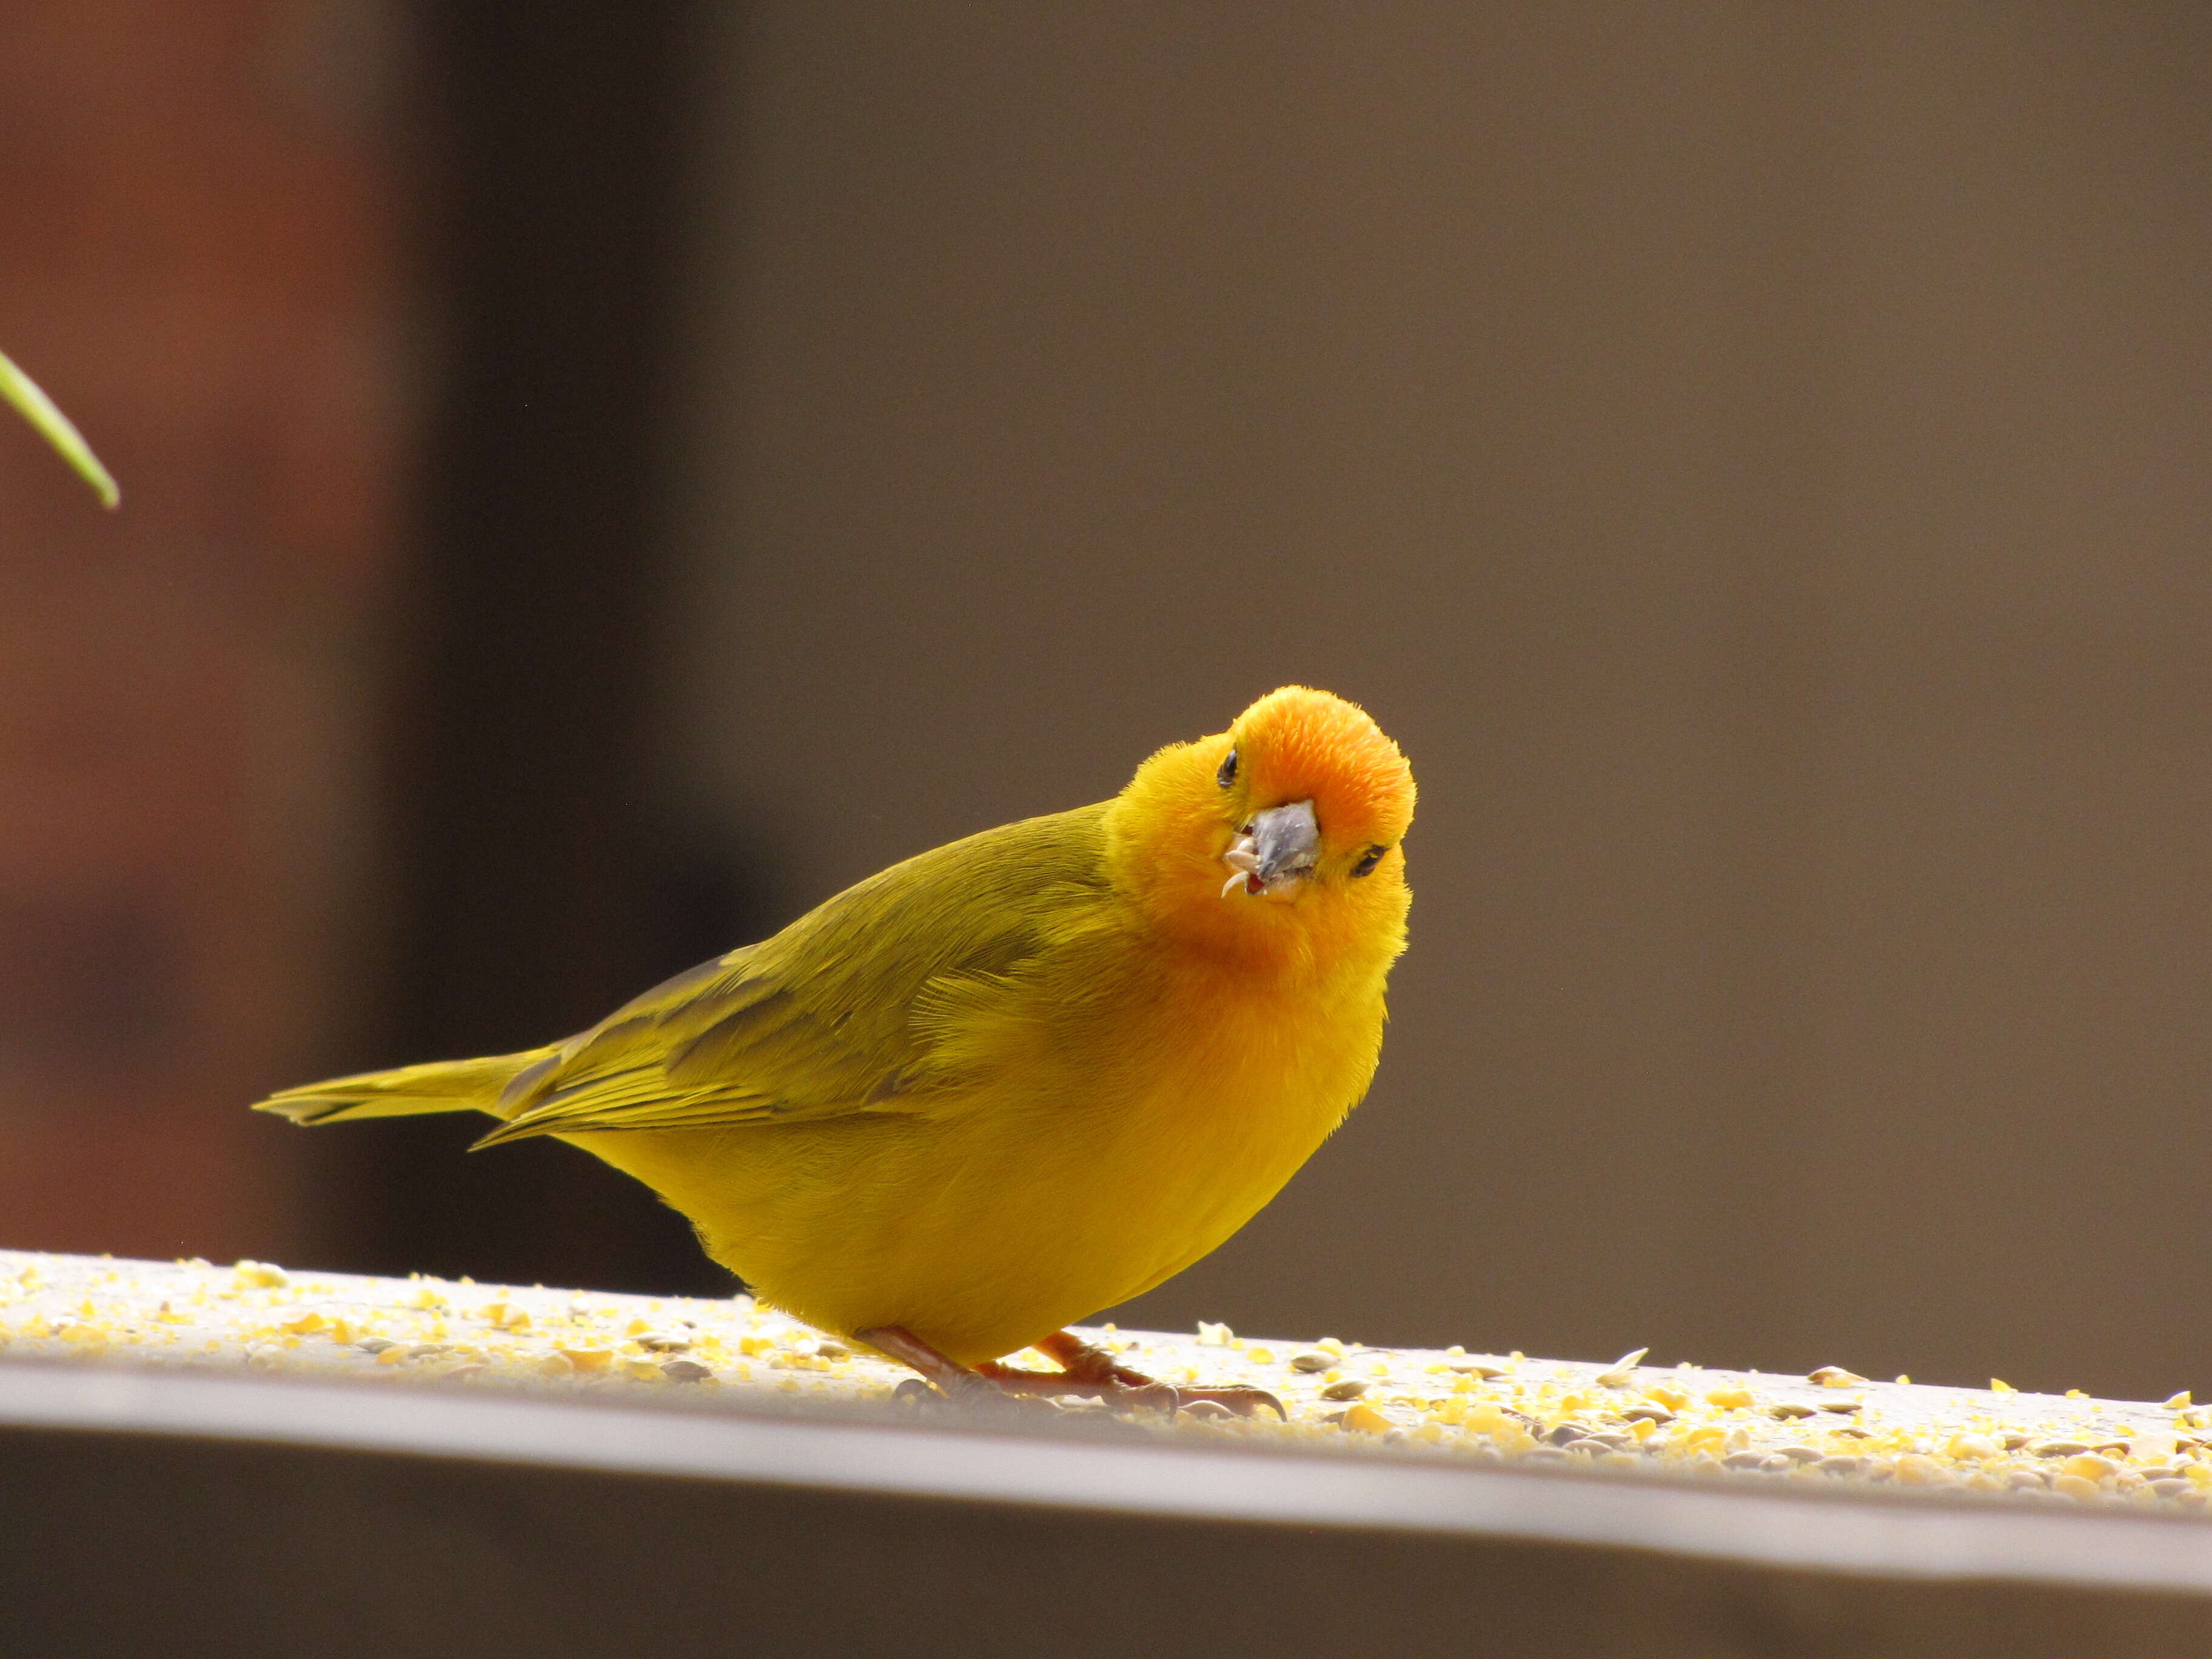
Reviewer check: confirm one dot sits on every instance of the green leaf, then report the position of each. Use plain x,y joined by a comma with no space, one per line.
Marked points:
20,390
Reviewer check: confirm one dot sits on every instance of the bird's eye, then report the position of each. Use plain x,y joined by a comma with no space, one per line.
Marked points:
1227,774
1368,860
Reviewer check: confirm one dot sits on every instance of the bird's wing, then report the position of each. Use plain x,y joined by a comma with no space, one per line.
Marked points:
842,1011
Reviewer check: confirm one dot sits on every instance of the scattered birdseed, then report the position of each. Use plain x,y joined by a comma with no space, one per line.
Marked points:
1622,1371
1594,1421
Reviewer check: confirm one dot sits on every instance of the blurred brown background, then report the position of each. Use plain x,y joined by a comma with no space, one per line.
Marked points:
597,479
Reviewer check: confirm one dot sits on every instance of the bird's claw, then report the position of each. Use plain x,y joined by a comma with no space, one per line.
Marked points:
1173,1399
1238,1400
1087,1370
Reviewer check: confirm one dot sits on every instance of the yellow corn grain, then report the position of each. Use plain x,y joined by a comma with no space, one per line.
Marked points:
1484,1416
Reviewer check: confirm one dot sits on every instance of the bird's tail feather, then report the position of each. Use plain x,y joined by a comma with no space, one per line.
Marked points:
443,1085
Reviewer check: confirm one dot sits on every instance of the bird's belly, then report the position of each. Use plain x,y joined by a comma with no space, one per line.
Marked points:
983,1232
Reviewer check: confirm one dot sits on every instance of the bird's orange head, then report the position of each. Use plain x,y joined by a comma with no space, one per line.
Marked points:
1283,834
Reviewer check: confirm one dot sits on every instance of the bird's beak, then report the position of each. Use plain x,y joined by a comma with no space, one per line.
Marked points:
1277,848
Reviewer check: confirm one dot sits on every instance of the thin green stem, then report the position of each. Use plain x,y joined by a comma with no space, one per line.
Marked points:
20,390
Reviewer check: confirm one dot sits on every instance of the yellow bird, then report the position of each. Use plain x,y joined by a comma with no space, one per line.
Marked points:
1011,1082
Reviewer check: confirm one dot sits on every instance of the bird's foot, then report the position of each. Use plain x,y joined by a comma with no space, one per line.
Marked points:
1085,1369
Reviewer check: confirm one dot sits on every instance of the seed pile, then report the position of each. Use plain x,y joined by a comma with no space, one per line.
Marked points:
1831,1426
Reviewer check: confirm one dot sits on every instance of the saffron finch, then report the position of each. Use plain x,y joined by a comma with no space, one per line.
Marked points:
1015,1080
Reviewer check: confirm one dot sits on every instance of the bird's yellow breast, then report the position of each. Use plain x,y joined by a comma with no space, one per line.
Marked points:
1113,1154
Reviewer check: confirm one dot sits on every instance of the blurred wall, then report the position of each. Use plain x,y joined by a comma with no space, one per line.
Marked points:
199,266
533,887
1753,458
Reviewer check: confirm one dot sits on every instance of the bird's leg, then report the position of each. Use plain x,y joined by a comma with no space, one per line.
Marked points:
948,1377
1085,1369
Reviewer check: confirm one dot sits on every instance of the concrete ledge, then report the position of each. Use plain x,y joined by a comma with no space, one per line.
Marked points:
327,1513
1897,1535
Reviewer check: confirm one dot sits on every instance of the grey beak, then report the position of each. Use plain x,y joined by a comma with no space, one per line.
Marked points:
1284,840
1277,847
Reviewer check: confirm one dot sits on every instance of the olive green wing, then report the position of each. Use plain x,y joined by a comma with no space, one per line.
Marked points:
843,1012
